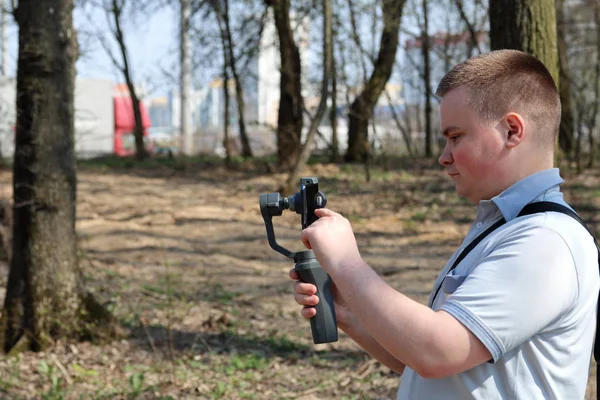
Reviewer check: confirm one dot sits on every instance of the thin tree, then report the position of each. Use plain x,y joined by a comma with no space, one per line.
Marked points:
334,146
566,138
114,10
425,49
290,114
473,35
226,138
185,77
221,9
322,107
45,299
361,110
592,115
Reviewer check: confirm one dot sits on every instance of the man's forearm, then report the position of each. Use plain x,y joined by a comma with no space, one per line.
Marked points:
402,327
360,335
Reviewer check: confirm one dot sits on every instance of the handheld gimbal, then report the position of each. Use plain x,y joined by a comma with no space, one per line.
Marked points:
323,325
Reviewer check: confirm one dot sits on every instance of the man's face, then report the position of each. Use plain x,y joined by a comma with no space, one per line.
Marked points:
474,149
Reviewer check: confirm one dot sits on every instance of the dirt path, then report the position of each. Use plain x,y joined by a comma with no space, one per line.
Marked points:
182,259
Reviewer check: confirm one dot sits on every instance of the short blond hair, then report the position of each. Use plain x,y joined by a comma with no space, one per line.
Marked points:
505,81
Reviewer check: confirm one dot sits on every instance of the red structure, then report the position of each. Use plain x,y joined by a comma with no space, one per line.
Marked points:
125,125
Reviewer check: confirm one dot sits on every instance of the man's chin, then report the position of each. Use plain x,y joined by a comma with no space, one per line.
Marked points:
460,190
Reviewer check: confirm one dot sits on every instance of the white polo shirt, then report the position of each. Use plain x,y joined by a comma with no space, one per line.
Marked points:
528,291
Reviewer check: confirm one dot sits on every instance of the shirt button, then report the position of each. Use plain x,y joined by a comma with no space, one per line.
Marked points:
479,225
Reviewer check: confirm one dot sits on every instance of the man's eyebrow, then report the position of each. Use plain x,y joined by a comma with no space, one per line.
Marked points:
449,130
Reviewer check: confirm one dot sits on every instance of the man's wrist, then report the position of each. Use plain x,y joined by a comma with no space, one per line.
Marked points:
350,264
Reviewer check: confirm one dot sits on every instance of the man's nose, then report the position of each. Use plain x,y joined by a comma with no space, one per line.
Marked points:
446,157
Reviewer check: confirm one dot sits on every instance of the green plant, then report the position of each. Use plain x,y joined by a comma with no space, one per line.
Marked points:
221,295
83,372
56,391
247,362
220,390
419,216
136,384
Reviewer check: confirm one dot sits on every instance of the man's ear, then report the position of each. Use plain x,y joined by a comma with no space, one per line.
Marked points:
516,129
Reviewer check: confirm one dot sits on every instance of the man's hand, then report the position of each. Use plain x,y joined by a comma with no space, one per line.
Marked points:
347,321
332,240
306,295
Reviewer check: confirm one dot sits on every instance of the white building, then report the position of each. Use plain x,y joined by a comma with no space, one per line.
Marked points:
93,117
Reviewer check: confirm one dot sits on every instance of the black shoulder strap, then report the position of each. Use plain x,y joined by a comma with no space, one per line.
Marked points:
550,206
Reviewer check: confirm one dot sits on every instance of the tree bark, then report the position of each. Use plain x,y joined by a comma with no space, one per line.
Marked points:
289,118
44,297
361,110
526,25
6,227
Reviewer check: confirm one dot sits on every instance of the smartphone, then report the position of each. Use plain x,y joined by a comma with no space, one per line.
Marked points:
309,191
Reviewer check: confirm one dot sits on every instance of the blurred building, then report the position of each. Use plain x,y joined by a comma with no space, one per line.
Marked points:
103,117
159,111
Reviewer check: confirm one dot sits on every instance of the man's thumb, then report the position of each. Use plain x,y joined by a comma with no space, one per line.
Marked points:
324,212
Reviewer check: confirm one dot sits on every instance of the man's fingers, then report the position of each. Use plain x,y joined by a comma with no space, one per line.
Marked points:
304,238
305,288
308,312
294,274
304,300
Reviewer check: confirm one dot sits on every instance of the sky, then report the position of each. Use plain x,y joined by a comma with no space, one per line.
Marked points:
152,43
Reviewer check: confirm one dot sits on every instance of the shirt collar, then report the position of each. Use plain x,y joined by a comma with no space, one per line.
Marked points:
512,200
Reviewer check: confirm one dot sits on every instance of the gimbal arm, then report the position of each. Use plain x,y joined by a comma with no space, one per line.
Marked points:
272,204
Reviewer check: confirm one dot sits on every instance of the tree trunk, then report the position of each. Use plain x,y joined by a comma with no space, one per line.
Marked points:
335,147
427,80
405,132
473,40
578,155
327,56
566,136
44,297
361,110
185,78
239,91
226,139
140,146
526,25
289,119
6,227
226,66
596,105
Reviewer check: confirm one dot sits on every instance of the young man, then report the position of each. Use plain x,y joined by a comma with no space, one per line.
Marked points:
516,318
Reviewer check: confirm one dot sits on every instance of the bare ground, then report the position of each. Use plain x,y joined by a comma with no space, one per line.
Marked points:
179,253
